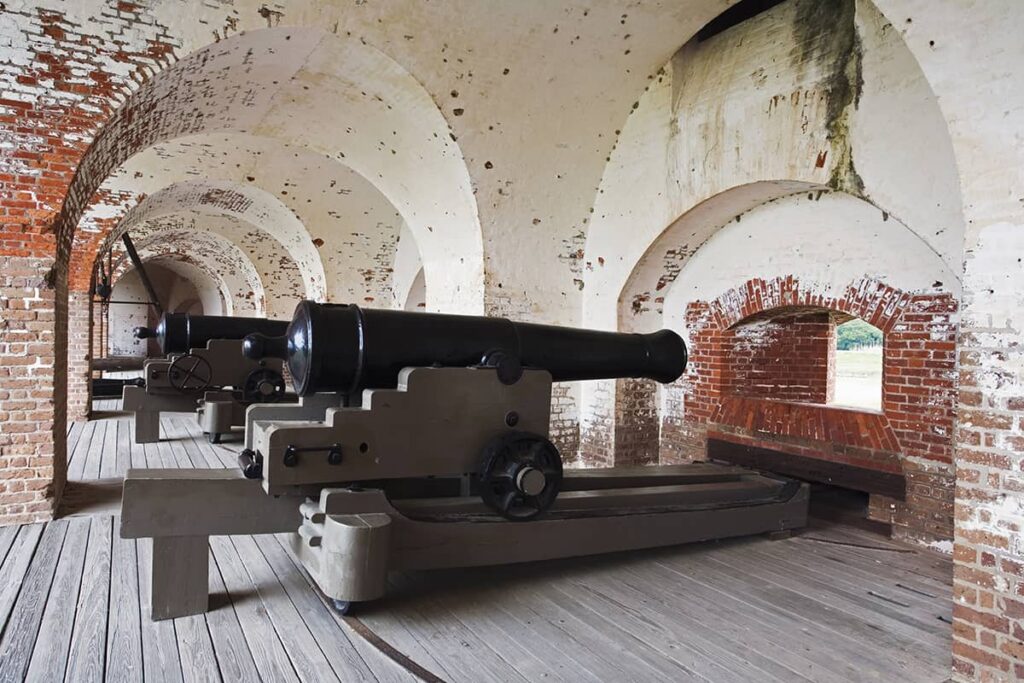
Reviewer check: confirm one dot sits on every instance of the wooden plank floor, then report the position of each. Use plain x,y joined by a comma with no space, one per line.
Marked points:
834,603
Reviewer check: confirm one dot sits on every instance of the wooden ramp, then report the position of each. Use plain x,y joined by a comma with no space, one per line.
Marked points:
832,604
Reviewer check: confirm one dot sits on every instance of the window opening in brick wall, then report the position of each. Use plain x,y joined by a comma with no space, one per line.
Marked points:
858,365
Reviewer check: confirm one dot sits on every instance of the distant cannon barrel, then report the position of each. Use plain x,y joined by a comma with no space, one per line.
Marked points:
181,332
104,387
343,348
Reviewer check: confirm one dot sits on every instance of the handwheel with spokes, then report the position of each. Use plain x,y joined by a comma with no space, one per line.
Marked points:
190,373
520,475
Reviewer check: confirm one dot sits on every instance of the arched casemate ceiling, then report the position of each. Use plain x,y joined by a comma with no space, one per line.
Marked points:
533,91
813,95
830,242
252,251
640,303
208,285
223,262
408,267
133,203
332,95
332,222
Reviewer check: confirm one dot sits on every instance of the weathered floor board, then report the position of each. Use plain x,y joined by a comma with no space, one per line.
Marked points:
87,657
833,604
23,625
50,650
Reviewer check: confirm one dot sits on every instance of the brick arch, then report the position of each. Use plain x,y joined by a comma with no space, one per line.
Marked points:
258,209
619,418
199,275
868,299
235,274
247,248
234,86
911,436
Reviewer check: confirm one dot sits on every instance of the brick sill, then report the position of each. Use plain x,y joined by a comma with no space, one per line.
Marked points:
827,406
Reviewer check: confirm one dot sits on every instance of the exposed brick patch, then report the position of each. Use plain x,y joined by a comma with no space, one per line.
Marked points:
630,434
682,439
761,352
637,427
988,553
597,428
61,85
565,424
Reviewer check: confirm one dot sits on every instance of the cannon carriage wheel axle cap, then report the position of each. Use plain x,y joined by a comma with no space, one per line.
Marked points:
520,475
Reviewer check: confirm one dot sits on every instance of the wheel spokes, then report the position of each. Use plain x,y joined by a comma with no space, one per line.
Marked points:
507,500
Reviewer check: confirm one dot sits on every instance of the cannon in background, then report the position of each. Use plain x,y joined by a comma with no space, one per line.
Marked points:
105,387
203,371
181,332
421,441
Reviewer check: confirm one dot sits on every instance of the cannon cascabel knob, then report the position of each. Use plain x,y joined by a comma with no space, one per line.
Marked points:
256,346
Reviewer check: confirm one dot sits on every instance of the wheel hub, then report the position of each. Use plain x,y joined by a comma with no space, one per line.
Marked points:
530,481
520,475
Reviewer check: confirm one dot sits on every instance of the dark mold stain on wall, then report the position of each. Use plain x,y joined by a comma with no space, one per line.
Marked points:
826,36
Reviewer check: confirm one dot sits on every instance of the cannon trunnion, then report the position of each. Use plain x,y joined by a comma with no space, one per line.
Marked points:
421,441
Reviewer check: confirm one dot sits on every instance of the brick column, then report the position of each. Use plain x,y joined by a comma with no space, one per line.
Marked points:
565,421
637,426
988,579
597,424
80,342
30,476
623,424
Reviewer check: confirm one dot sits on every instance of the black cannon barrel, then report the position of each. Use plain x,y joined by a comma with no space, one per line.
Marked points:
181,332
104,387
340,347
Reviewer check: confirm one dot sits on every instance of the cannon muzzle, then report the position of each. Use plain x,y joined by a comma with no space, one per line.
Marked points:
343,348
181,332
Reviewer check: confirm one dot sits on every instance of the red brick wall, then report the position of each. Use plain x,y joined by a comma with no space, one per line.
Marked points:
919,388
30,475
988,577
785,358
